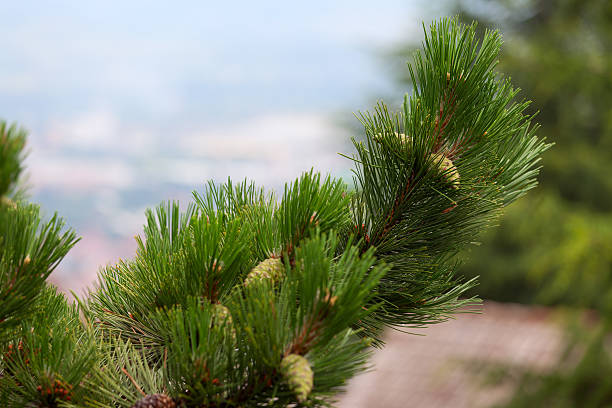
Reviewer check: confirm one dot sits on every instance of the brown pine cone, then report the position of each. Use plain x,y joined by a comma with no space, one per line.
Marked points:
155,401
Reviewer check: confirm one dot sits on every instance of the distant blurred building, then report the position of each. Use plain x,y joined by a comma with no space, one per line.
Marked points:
472,361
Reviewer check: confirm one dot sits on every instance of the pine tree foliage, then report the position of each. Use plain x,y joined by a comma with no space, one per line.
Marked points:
12,143
462,110
48,356
243,299
30,248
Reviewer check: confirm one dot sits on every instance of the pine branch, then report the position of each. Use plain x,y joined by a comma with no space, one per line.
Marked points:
47,358
432,177
29,251
12,144
241,300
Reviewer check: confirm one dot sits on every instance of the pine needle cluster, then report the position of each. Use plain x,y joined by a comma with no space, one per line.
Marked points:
245,299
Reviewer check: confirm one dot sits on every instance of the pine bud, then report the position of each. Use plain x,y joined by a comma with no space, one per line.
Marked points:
368,341
155,401
406,140
296,370
271,268
447,168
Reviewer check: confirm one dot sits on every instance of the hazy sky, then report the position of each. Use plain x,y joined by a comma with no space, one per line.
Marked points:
194,59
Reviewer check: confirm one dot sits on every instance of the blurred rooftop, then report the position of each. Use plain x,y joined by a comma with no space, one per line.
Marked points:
464,362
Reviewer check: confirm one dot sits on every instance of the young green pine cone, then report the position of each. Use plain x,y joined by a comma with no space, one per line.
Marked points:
155,401
298,374
223,317
8,202
406,140
447,168
271,268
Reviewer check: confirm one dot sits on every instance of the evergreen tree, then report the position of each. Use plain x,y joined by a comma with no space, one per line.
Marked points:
246,300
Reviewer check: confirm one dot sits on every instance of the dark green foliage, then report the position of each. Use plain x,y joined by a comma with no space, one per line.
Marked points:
12,143
204,364
126,374
47,358
30,249
416,220
310,204
248,202
179,319
266,322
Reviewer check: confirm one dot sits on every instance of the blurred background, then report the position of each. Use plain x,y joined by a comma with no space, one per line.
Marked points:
131,104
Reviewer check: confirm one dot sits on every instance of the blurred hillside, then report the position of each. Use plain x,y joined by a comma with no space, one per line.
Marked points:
555,245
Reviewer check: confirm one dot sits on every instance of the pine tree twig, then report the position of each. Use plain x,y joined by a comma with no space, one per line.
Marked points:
133,381
312,328
449,98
